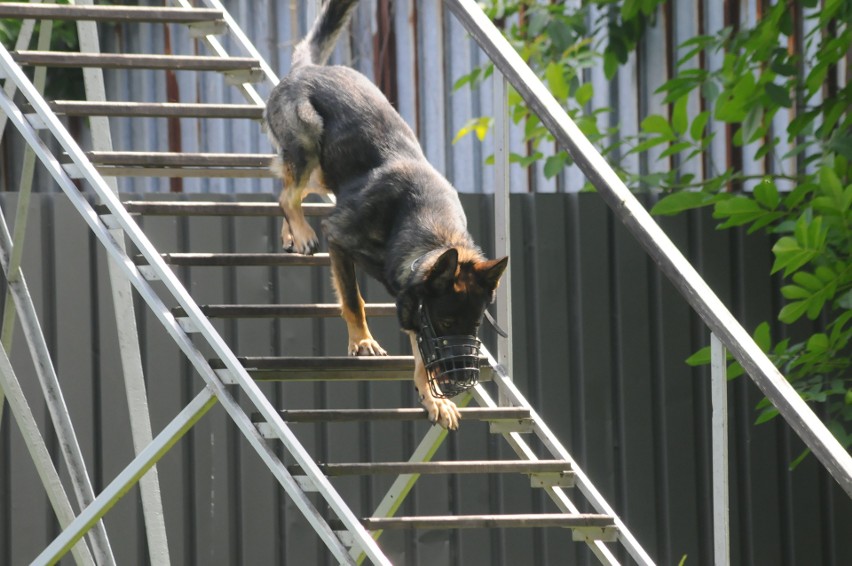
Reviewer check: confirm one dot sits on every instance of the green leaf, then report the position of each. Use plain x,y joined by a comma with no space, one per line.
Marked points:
766,415
555,75
554,164
752,124
762,336
657,124
584,93
675,148
680,201
779,95
793,312
680,121
610,64
818,343
699,358
696,131
766,193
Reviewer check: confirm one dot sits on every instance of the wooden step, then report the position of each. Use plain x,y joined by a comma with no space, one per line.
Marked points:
137,61
282,259
156,109
282,311
169,164
183,208
582,521
119,14
560,467
335,368
401,414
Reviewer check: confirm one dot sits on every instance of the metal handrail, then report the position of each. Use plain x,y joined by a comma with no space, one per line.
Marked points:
671,261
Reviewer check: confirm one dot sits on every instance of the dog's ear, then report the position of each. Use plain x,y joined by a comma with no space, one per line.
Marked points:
489,272
443,272
406,309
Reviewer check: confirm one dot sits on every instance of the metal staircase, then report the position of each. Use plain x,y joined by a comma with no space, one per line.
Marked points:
228,378
349,538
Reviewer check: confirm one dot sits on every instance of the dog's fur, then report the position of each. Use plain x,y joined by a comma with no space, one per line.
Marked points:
396,217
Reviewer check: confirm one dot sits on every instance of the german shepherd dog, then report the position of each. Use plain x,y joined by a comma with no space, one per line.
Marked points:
396,217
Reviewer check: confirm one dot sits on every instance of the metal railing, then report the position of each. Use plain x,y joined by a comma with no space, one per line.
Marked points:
661,249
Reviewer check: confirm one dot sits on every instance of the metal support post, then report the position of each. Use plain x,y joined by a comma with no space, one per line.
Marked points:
125,317
502,239
25,35
719,395
38,452
52,393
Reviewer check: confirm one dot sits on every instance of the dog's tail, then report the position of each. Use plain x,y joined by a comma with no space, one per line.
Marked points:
317,46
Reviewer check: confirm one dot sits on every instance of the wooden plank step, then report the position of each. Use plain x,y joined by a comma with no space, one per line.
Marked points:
281,311
400,414
135,61
156,109
120,14
174,159
335,368
282,259
561,467
168,164
183,208
485,521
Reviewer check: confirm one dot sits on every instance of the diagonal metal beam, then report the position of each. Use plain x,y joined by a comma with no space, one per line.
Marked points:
119,217
143,462
38,452
52,392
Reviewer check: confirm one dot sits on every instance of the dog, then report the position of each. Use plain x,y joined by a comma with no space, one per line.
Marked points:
395,217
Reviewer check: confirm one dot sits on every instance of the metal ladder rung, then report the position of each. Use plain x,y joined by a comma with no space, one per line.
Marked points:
120,14
156,109
183,208
241,260
289,311
135,61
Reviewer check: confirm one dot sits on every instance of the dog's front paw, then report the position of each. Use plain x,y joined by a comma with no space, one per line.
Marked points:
366,347
443,412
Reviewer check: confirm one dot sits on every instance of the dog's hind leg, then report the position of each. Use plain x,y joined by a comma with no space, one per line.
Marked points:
441,411
361,342
296,234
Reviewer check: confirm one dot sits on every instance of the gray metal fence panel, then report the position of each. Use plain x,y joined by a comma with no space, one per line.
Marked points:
600,341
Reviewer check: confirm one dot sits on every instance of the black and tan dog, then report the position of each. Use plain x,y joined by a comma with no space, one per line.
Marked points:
396,217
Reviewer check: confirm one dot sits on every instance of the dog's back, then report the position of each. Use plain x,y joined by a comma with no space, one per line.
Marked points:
332,116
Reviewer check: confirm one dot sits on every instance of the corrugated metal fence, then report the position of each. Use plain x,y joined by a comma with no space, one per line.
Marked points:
600,340
600,336
426,53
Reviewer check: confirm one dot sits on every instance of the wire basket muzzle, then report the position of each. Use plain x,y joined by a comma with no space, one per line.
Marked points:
452,362
455,365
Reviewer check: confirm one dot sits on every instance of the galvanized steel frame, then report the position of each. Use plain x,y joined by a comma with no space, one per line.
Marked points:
120,219
658,245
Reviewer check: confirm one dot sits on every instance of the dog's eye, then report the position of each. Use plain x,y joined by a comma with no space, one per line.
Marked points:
445,323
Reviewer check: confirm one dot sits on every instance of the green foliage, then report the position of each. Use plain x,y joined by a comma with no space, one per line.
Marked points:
758,78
